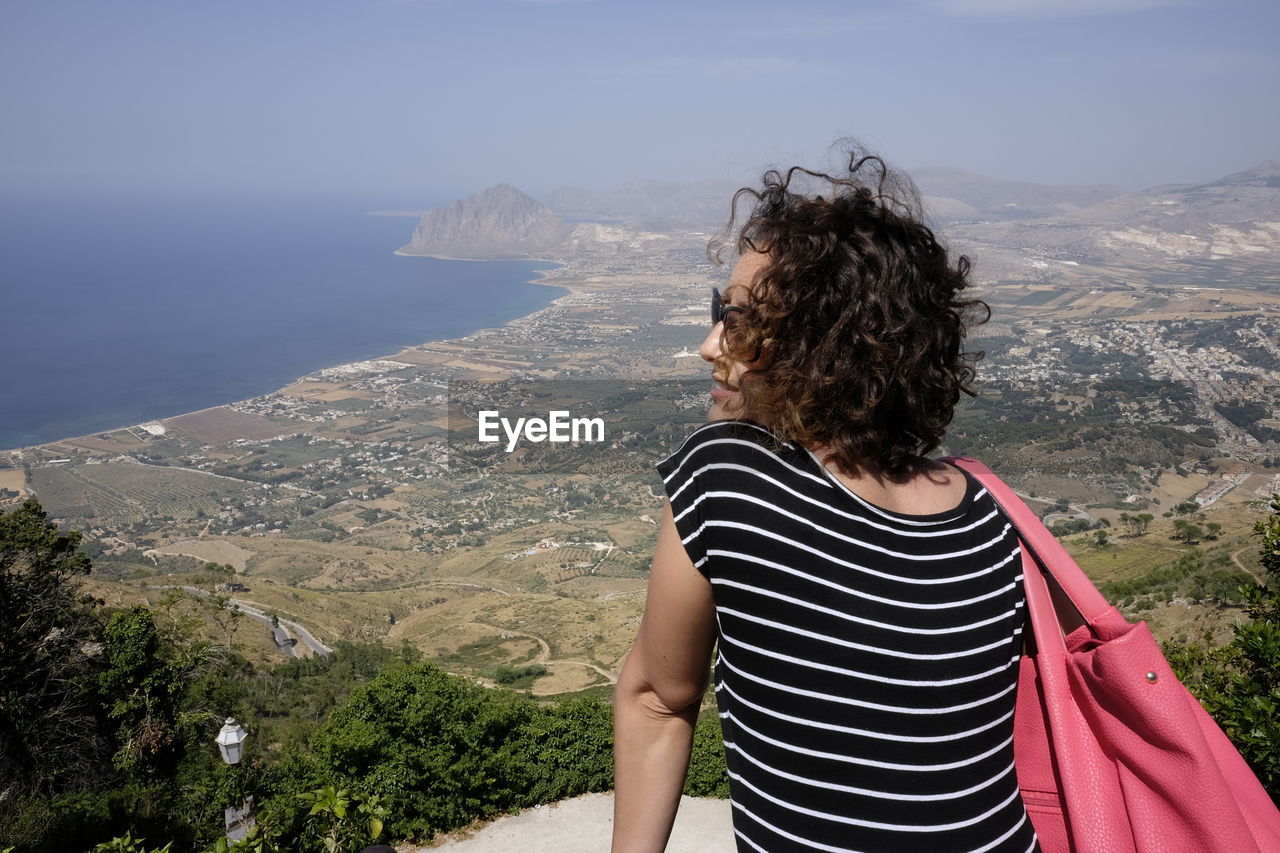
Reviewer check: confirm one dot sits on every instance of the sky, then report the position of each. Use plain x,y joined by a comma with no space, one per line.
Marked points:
417,100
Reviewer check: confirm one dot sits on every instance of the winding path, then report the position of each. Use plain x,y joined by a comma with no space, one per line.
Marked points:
1235,558
544,654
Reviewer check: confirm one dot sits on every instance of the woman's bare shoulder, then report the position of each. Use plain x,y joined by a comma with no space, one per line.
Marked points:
931,487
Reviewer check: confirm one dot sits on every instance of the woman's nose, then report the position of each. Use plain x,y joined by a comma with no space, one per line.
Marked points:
710,349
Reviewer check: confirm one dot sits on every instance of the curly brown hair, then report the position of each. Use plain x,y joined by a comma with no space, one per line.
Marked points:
854,327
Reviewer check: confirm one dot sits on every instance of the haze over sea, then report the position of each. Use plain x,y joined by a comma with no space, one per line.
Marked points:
116,311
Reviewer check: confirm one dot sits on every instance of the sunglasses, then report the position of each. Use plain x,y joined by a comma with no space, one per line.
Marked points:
720,310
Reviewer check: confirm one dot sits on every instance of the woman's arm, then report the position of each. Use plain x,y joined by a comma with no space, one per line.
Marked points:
658,694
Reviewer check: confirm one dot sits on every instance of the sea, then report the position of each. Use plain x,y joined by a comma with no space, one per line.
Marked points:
121,309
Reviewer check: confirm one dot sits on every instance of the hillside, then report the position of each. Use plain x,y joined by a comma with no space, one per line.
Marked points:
1234,218
999,198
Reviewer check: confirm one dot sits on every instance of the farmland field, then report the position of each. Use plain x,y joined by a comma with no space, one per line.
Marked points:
214,426
13,479
128,492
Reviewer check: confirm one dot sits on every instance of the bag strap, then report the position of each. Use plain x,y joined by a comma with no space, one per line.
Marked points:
1046,622
1043,546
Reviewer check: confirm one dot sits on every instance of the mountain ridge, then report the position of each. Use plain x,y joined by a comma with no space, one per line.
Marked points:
1234,216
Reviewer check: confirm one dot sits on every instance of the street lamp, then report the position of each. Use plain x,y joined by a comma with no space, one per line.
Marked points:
230,741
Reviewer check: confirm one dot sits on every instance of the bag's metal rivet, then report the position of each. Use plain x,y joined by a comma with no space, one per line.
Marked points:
1152,677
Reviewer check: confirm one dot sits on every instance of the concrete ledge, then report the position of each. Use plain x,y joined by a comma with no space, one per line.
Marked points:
584,825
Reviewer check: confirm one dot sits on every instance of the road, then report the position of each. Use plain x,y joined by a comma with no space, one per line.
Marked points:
279,632
308,639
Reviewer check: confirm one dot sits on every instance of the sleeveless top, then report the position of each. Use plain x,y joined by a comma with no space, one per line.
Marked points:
867,659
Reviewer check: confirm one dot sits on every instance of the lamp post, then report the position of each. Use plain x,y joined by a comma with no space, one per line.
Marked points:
230,741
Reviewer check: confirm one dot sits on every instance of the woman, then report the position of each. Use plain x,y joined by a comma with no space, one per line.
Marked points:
866,601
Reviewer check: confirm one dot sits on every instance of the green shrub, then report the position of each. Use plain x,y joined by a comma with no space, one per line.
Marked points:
517,676
443,751
708,776
128,844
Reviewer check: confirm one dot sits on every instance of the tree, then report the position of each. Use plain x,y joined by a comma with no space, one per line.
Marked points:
188,608
93,717
219,573
1264,599
1186,532
1240,684
1253,692
49,736
143,681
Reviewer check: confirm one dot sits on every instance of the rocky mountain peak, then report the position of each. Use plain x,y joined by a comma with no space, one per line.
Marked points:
497,222
502,193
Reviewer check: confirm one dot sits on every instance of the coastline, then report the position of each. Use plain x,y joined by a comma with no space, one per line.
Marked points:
404,254
539,279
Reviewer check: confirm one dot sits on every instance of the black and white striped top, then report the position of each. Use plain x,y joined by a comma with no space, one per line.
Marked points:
867,663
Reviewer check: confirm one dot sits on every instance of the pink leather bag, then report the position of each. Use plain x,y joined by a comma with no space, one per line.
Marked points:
1113,753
